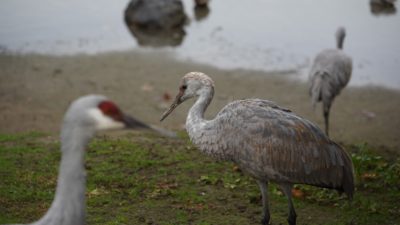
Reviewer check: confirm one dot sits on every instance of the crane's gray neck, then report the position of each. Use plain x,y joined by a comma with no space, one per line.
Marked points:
195,121
196,113
199,130
340,39
68,207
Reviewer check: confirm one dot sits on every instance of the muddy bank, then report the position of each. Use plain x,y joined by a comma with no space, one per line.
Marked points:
35,90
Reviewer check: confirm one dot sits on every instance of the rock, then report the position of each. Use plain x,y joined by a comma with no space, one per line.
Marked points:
381,7
201,2
156,22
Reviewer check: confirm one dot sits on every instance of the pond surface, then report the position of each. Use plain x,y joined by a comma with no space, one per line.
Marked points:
270,35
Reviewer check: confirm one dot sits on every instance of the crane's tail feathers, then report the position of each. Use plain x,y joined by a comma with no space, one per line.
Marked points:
348,180
347,185
315,90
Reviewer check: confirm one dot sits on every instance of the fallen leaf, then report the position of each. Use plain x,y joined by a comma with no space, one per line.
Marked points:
369,176
147,87
297,193
368,114
166,97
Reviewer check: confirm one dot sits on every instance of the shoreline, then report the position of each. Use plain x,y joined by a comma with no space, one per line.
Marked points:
36,89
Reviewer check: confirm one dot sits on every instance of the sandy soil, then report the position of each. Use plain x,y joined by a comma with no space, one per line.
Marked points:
35,90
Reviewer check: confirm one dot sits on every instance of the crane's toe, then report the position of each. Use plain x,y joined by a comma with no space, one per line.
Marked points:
292,219
265,221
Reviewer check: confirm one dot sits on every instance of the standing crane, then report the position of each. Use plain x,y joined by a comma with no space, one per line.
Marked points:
84,117
268,142
330,73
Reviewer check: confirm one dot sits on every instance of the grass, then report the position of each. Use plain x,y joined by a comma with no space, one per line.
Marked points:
144,179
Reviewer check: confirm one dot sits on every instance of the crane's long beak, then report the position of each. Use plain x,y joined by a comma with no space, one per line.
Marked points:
172,107
132,123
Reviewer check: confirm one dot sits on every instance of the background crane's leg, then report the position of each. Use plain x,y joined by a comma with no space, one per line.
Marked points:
264,193
287,189
326,108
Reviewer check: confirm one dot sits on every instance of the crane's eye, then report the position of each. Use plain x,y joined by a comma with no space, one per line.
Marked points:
110,109
184,87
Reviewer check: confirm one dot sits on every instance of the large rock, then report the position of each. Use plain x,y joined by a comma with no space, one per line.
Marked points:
380,7
156,22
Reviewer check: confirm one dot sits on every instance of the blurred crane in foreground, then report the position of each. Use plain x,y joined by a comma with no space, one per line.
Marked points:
330,73
266,141
84,117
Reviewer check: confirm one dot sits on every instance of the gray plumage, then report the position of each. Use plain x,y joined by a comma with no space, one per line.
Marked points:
330,73
268,142
81,121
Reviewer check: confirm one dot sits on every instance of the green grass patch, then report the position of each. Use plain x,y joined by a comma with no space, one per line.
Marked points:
145,179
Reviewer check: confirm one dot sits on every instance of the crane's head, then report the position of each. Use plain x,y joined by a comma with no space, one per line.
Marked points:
193,84
340,35
98,112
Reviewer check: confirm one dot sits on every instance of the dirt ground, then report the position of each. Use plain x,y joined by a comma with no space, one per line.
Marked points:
35,90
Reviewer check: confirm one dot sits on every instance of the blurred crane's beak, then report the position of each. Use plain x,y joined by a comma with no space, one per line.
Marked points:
132,123
173,106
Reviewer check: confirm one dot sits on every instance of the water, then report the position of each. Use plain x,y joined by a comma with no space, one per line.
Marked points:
270,35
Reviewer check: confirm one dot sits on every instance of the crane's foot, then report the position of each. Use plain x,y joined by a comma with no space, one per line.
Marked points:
292,219
265,221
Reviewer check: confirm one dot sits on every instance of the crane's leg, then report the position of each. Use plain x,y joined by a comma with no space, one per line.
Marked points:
287,189
326,108
264,193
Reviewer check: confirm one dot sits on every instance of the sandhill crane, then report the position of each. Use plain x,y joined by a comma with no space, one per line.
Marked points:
84,117
268,142
330,73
